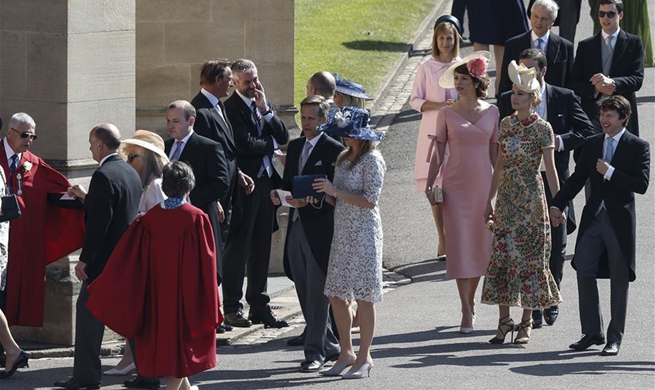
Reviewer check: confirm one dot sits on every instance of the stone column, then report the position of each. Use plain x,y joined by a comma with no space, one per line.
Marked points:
70,64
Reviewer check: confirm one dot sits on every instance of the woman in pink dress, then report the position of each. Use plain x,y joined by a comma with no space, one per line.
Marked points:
469,128
429,98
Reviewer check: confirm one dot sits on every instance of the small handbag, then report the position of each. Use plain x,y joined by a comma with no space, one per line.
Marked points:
437,195
302,187
10,208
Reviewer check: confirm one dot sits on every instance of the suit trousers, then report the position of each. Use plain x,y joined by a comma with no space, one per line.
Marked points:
598,238
248,249
309,279
88,340
557,252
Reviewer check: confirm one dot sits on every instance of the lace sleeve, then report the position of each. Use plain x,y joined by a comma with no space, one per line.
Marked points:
374,169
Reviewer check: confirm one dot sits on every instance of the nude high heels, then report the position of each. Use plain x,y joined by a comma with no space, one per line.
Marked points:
338,368
359,373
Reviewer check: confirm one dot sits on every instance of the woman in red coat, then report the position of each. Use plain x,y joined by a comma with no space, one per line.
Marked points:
159,286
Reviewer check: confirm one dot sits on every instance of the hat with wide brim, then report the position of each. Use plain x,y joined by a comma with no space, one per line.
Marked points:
447,79
147,140
351,122
523,77
350,88
450,19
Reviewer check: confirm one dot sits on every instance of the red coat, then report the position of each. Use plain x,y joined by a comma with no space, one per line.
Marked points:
44,233
159,287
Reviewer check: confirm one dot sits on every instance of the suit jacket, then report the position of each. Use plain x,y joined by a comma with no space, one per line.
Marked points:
110,207
207,161
210,124
318,223
251,146
631,162
559,54
569,121
627,71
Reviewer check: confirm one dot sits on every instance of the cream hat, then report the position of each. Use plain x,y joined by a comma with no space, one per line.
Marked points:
148,140
523,77
447,79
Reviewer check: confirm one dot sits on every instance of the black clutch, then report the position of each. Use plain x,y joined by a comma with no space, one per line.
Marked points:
302,187
10,208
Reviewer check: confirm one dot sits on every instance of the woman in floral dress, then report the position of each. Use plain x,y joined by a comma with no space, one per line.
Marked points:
518,273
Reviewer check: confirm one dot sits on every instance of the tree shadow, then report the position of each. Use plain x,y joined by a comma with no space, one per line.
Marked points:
424,271
374,45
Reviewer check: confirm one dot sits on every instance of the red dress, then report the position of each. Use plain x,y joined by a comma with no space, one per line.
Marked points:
159,288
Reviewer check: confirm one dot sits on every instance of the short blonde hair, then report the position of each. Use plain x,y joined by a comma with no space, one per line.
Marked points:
445,28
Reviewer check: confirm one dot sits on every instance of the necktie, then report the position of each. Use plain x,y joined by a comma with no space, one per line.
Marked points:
178,150
258,118
306,151
540,44
14,163
609,43
609,149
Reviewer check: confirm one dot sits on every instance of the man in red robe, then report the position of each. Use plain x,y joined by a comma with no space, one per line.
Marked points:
47,229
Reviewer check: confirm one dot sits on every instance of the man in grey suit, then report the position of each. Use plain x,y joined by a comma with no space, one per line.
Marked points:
309,234
110,207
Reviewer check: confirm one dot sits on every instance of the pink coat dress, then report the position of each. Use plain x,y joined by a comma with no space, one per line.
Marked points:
426,88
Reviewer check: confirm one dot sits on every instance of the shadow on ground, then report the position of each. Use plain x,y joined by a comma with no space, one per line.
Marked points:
373,45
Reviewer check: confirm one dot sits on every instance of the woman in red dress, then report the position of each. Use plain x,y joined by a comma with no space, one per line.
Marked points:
159,286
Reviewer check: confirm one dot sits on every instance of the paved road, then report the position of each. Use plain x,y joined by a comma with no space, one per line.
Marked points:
417,344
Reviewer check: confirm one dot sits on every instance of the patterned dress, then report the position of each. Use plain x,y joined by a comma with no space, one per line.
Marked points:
355,267
518,273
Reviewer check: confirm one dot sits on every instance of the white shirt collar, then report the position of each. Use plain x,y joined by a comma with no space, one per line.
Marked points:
616,137
212,99
106,157
616,34
246,100
545,38
314,140
186,139
10,152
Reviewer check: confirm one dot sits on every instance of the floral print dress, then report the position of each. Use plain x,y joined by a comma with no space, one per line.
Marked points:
518,273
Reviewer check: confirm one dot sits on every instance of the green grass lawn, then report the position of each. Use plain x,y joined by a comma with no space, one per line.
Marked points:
359,39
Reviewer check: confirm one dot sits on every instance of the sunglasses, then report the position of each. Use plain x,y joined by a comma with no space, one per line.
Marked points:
131,157
610,14
25,135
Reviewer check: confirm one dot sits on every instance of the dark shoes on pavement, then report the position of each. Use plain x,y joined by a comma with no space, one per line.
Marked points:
237,320
222,328
311,366
537,319
587,341
74,385
297,341
611,349
21,361
267,318
550,314
141,383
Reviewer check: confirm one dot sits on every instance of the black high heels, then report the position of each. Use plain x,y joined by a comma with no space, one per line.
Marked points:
505,325
21,361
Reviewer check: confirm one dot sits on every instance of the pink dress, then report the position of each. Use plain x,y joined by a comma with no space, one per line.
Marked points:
426,88
466,185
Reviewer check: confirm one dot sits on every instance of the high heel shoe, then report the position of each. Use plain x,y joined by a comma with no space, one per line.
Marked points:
468,330
117,371
338,368
505,325
21,361
359,373
526,327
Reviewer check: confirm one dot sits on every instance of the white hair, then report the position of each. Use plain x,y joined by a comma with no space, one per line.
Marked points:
549,5
20,118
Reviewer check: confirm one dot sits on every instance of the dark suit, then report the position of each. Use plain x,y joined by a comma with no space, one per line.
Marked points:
110,206
568,121
567,18
207,161
307,246
559,54
627,71
210,124
249,239
606,238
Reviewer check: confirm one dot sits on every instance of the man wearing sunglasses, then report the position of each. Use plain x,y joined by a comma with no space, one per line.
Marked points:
609,63
47,229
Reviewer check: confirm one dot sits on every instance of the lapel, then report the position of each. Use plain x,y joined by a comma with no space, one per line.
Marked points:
621,150
189,147
314,156
247,114
596,54
551,104
552,48
619,50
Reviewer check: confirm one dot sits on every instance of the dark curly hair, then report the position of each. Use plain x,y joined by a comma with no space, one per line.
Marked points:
482,82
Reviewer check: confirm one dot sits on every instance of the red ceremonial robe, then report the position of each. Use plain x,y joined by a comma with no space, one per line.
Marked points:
43,234
159,287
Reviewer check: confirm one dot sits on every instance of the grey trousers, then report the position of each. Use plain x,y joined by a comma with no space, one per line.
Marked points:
309,279
88,340
598,238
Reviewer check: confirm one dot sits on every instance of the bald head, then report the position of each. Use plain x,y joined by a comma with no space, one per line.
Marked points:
104,139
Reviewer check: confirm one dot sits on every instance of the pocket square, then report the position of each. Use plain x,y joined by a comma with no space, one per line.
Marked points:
318,163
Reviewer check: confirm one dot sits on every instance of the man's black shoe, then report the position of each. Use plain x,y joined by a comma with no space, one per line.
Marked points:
72,385
311,366
550,314
268,319
140,383
537,319
297,341
587,341
332,358
222,328
611,349
238,320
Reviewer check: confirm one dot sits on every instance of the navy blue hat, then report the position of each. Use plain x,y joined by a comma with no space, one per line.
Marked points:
350,88
351,122
450,19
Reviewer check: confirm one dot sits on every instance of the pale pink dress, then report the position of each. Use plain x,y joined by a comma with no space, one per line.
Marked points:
466,185
426,88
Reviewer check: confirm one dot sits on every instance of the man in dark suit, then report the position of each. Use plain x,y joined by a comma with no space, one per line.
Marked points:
561,108
559,51
309,233
322,83
601,69
257,132
110,207
617,165
567,19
